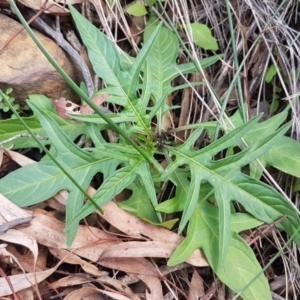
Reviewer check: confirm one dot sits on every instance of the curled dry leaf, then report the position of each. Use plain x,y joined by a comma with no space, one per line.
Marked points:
98,100
64,106
58,7
144,270
18,237
104,279
8,257
10,216
26,258
71,258
167,121
86,110
154,285
136,227
23,281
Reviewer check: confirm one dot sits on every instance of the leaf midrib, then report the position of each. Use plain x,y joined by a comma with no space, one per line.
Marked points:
229,183
55,177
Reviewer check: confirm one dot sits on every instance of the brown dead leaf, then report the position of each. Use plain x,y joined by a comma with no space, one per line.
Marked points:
18,237
23,281
118,296
139,266
75,280
86,110
89,243
9,258
64,106
140,249
70,281
167,121
26,294
26,258
181,136
136,227
19,158
9,211
1,156
10,216
196,289
74,259
85,293
100,99
154,285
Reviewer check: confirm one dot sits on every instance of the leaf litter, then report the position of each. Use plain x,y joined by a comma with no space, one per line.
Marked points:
92,247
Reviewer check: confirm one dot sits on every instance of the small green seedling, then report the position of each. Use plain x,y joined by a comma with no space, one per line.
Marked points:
5,107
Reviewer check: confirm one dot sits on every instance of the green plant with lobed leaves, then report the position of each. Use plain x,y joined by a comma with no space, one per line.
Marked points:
204,186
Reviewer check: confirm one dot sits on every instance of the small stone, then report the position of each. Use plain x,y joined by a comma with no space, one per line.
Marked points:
25,68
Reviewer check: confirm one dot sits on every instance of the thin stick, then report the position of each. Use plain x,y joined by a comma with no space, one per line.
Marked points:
13,223
268,228
23,135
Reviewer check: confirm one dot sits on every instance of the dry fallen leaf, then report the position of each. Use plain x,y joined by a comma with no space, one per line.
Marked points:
89,243
18,237
19,158
196,289
64,106
136,227
23,281
9,211
140,249
10,216
26,258
100,99
74,259
117,296
154,285
1,156
26,294
84,292
70,281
